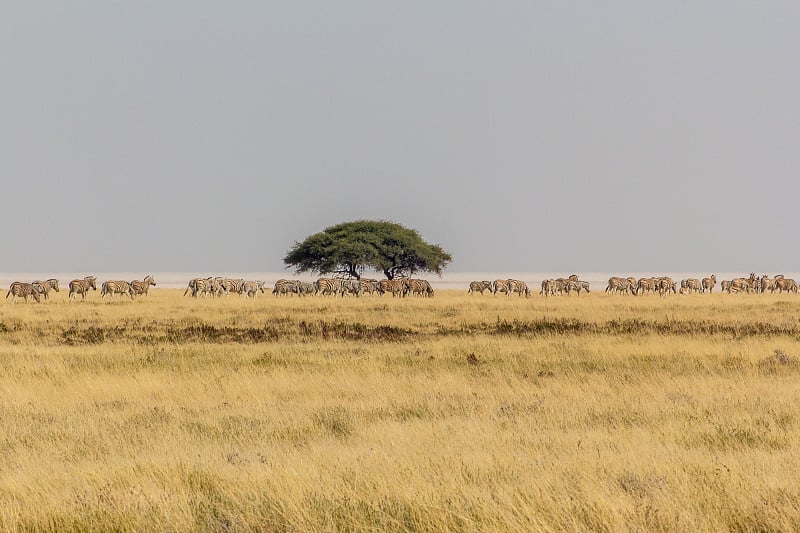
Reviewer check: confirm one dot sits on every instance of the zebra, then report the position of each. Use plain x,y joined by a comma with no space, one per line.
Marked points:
576,286
420,287
740,284
198,287
250,289
500,285
351,286
708,283
46,286
786,284
479,286
328,286
304,288
572,286
82,286
623,285
142,287
285,286
666,285
645,285
113,287
19,289
396,286
233,285
690,285
369,285
520,287
547,287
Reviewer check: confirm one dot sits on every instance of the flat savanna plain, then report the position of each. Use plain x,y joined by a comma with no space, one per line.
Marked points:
453,413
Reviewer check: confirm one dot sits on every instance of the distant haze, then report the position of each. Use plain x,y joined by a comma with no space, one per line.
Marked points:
521,136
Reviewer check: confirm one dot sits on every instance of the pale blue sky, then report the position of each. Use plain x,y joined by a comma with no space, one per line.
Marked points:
521,136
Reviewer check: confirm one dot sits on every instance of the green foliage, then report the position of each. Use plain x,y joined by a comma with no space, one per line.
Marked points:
352,247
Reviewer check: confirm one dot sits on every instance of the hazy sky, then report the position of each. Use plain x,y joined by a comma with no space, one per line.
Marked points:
521,136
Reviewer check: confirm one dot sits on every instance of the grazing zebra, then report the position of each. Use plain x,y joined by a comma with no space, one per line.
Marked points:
251,289
708,283
142,287
304,288
479,286
420,287
285,287
520,287
572,286
500,285
82,286
396,286
583,286
19,289
113,287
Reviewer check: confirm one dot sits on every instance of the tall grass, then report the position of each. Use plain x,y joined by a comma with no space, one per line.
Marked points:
452,413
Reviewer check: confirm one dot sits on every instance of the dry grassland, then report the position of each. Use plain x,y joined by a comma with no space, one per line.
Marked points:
457,413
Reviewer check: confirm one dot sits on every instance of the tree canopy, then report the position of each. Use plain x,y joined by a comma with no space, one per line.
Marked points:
352,247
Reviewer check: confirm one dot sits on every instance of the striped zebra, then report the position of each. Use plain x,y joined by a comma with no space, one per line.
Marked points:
572,286
479,286
143,286
351,286
285,287
548,288
740,285
518,286
690,285
82,286
250,289
786,284
667,286
235,286
708,283
328,286
583,286
19,289
499,285
113,287
369,285
47,286
621,285
420,287
304,288
396,286
198,287
645,285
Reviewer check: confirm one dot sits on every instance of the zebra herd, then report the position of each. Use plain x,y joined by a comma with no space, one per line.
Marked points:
38,289
665,286
216,287
400,287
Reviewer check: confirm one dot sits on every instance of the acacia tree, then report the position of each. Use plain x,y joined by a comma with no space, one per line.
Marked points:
352,247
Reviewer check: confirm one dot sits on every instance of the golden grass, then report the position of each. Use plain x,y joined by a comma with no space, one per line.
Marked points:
453,413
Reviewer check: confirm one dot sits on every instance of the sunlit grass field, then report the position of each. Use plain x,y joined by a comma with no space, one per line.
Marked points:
454,413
